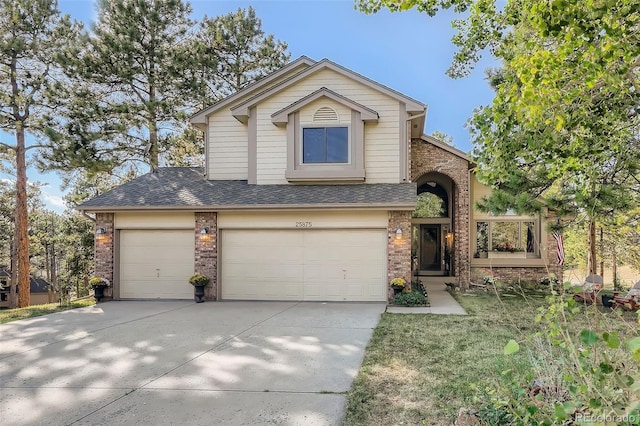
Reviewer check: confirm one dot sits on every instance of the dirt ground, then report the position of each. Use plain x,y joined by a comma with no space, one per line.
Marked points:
627,275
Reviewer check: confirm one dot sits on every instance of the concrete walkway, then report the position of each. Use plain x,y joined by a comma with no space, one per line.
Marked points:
441,301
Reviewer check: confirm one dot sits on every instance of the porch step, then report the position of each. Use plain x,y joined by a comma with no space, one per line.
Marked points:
436,280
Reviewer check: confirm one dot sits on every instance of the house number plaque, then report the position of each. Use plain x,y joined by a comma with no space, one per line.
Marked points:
304,224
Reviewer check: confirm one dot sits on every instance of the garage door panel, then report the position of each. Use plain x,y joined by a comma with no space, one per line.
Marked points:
156,264
332,265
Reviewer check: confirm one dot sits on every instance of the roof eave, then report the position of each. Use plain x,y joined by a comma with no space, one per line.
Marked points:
213,207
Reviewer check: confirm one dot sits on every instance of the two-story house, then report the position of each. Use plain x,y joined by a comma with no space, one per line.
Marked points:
310,180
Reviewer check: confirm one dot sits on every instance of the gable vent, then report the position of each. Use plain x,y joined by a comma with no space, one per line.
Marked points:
325,114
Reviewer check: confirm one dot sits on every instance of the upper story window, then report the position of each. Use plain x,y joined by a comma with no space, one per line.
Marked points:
322,145
325,142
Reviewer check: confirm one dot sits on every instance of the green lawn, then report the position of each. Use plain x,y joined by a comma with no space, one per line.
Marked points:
8,315
421,369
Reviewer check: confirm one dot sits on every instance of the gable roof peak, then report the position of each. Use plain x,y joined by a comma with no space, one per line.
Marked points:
301,62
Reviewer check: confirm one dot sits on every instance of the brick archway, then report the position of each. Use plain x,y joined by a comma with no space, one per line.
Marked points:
433,156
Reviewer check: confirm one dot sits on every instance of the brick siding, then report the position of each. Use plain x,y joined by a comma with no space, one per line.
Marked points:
399,249
103,245
206,251
427,158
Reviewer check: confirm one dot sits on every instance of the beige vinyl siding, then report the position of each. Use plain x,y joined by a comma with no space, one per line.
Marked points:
306,113
228,142
154,220
310,220
228,148
381,140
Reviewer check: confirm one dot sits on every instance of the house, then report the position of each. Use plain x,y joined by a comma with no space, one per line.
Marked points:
40,290
310,180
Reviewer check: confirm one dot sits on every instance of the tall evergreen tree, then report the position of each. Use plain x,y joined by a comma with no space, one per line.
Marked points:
131,73
32,32
237,51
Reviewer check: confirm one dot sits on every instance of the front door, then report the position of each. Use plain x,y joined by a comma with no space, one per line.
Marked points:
431,248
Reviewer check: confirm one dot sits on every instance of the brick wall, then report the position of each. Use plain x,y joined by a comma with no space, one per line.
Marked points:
103,245
399,249
206,251
509,274
427,158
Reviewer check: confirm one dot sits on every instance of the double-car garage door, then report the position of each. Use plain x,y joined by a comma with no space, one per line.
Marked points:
328,264
300,264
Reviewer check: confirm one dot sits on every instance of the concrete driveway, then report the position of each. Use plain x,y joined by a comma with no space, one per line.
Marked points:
181,363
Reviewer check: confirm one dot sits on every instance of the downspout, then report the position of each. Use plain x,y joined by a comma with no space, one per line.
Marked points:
407,176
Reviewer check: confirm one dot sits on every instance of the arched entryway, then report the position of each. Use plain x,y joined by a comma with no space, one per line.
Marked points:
433,226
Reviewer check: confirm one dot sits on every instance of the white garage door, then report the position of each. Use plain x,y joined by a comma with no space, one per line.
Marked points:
331,265
156,264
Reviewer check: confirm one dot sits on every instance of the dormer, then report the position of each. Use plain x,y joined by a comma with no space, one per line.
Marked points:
325,137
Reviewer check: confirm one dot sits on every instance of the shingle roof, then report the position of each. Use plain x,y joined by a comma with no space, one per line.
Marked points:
186,188
38,285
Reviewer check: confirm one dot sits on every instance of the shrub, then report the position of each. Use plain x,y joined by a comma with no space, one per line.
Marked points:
582,365
98,281
412,298
198,280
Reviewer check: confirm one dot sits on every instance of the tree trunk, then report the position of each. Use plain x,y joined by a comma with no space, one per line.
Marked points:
153,146
614,267
21,221
13,296
592,260
602,253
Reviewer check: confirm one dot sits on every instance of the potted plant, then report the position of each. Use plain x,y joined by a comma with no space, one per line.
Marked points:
98,284
198,281
398,284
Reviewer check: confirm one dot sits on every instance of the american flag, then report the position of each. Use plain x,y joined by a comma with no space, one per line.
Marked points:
559,247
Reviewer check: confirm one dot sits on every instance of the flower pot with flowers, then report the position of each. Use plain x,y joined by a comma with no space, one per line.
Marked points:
198,281
98,284
398,285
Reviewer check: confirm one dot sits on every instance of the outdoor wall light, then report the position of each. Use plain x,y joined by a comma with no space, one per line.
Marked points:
100,232
204,231
398,233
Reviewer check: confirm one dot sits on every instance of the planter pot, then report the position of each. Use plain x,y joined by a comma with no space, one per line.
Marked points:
397,290
507,255
98,292
607,300
198,293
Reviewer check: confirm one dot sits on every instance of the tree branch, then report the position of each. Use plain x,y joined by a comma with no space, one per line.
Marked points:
34,146
10,147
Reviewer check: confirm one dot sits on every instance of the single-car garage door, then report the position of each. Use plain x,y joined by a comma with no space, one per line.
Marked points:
156,264
331,265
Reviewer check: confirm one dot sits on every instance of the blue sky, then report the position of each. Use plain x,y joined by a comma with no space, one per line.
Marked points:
406,51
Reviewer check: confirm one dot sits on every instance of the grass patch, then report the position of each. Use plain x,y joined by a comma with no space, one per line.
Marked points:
8,315
421,369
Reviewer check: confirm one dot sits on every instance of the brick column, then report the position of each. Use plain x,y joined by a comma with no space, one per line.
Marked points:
103,246
206,251
399,249
462,256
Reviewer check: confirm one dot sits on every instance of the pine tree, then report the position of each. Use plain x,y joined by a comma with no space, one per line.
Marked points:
32,32
237,52
131,76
